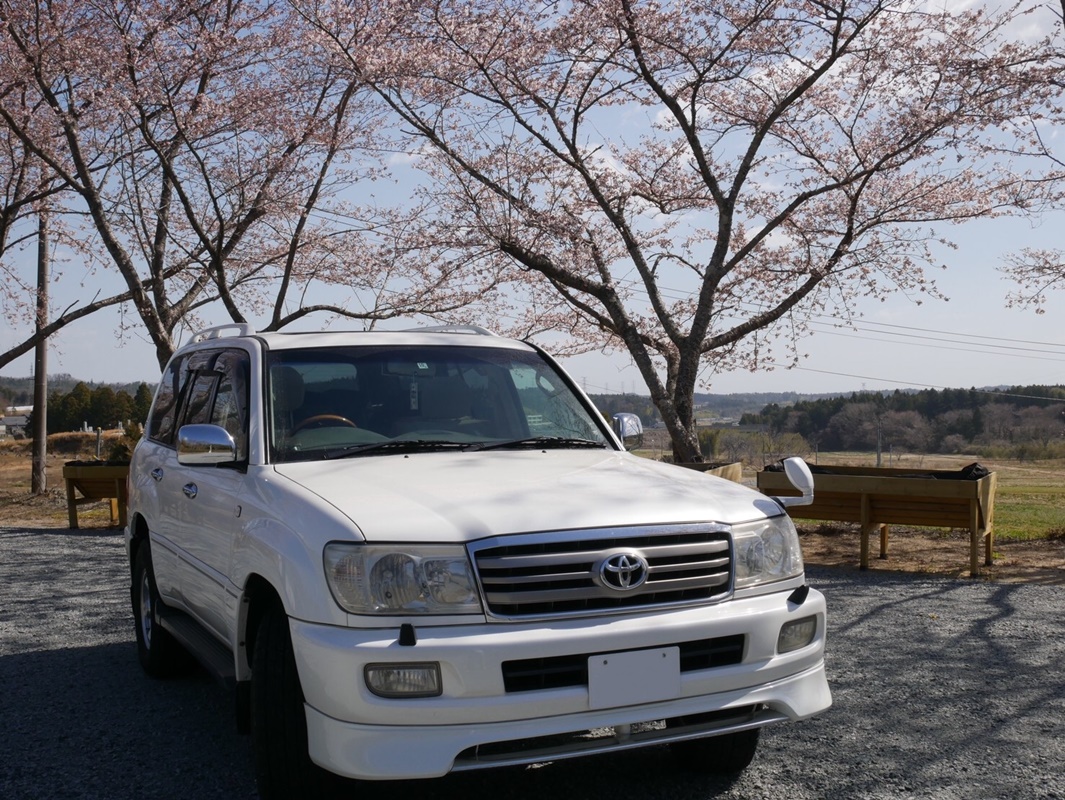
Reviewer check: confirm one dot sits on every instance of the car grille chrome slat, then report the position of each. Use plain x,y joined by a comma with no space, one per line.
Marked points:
559,573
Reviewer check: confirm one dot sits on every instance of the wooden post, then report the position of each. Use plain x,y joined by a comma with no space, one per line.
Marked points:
866,523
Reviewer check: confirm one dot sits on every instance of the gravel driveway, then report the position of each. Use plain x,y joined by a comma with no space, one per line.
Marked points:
942,689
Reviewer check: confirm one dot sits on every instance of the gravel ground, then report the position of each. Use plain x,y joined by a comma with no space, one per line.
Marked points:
943,688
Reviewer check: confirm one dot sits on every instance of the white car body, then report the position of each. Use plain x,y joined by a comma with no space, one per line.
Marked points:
214,532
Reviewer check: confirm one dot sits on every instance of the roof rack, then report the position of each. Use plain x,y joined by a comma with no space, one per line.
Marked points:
471,329
241,328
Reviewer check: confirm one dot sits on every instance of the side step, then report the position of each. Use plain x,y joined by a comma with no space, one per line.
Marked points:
215,657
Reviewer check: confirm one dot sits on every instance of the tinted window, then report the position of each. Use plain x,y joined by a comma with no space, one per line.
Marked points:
230,408
163,416
336,397
209,386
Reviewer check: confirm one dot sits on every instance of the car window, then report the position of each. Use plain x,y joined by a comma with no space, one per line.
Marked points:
163,416
201,395
348,396
218,394
230,408
208,386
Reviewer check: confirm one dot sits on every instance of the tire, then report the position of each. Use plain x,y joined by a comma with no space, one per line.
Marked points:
728,754
283,767
159,653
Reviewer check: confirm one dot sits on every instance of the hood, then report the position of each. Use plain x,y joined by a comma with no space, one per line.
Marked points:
450,497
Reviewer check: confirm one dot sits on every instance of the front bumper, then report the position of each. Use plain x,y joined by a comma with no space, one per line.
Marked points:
357,734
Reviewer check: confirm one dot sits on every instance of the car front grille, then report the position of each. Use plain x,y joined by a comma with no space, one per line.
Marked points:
572,573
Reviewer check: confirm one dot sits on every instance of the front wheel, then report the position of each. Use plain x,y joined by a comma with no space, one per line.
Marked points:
283,766
161,656
728,754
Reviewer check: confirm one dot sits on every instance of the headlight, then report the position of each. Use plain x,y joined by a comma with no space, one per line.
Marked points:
395,579
766,551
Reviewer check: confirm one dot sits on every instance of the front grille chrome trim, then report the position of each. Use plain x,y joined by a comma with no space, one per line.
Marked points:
554,574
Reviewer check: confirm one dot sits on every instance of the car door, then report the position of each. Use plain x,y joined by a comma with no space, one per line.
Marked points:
156,458
205,499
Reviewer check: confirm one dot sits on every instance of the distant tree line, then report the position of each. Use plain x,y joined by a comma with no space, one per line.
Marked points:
19,391
1021,422
97,407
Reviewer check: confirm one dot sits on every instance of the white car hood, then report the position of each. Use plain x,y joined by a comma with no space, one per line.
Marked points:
450,497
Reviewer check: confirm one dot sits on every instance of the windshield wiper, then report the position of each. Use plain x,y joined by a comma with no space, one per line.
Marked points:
394,446
543,442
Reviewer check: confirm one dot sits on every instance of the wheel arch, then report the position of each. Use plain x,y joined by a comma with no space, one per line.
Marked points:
259,597
138,536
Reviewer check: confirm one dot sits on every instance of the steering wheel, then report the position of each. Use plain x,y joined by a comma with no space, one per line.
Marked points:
336,418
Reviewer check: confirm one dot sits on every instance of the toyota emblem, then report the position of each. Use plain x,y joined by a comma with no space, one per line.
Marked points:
623,571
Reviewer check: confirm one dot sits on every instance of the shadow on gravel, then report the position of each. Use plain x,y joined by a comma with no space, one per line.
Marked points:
942,688
85,722
941,685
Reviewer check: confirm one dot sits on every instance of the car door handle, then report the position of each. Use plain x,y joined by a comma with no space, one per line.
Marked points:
157,474
190,490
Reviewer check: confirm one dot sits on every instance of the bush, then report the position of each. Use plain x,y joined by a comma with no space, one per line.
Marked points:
708,439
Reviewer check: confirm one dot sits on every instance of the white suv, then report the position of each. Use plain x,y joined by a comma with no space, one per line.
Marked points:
412,553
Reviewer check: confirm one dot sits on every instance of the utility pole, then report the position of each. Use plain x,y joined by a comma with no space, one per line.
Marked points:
879,440
39,480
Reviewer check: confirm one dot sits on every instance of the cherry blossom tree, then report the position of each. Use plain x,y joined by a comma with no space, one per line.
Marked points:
203,157
690,181
1037,273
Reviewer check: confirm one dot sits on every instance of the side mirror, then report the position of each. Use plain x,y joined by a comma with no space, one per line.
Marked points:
628,429
199,445
801,478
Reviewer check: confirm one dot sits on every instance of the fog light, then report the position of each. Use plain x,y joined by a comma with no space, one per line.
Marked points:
403,680
796,634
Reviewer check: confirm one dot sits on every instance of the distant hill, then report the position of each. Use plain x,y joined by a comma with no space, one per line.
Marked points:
709,406
738,404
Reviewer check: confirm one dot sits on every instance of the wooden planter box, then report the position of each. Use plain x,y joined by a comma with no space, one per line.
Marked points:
878,497
732,471
95,481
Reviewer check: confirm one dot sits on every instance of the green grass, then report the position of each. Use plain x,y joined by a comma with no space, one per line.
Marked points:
1026,512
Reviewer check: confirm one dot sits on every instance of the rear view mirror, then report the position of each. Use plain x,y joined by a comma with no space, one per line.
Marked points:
801,478
629,429
202,445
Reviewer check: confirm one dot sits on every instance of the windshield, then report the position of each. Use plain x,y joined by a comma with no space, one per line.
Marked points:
349,401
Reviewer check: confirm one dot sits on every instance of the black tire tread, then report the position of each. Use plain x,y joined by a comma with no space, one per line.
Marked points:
164,657
278,721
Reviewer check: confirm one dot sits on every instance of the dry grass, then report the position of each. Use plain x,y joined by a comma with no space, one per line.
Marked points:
19,508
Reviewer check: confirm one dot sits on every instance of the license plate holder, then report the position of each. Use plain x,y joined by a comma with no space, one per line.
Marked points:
633,677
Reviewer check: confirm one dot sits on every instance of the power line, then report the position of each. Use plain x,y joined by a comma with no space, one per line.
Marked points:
955,333
958,349
906,383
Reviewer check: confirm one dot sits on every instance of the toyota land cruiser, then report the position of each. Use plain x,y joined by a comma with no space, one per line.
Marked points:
411,553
